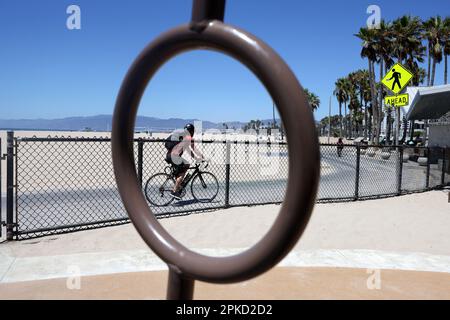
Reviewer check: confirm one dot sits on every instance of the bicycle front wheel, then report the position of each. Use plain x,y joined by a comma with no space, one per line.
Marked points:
158,189
204,187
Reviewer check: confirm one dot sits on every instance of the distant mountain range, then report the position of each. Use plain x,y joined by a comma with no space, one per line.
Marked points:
103,123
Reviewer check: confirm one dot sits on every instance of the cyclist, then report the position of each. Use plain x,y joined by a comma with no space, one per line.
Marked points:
174,156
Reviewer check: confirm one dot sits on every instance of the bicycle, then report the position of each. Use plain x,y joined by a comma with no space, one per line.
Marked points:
204,185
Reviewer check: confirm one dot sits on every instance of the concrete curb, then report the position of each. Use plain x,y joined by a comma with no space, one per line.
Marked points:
86,264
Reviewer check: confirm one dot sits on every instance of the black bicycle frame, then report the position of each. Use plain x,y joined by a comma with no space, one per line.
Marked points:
196,172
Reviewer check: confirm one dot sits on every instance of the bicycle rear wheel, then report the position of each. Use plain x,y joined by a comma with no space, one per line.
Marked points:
204,187
158,189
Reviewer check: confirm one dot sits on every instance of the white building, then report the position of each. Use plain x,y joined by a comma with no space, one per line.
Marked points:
433,104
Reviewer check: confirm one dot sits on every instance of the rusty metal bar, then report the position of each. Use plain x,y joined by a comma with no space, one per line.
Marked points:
208,10
179,287
304,157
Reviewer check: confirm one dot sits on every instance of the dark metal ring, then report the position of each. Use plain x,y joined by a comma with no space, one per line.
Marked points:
304,159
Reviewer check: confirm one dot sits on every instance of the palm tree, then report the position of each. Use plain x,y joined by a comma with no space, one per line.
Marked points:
383,37
407,33
407,38
446,45
348,89
435,34
419,74
377,47
313,99
368,37
358,117
353,79
331,123
355,109
341,96
360,80
367,97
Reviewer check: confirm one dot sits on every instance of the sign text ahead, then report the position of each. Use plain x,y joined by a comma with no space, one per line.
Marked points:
400,100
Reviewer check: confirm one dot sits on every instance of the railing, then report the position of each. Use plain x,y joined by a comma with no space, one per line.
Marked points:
57,185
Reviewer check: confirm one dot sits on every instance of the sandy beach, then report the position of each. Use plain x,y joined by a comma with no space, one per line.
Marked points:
65,158
410,223
68,153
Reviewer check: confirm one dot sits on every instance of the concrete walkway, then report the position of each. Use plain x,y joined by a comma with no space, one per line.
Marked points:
398,236
279,283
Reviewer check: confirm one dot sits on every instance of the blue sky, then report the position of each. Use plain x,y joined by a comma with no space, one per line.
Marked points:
48,71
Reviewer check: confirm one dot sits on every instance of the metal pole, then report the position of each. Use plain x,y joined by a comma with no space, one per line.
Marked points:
10,186
204,10
329,120
358,161
227,175
443,167
179,287
140,160
400,171
273,114
427,184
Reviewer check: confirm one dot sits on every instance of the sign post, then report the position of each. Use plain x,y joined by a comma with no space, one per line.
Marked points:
395,80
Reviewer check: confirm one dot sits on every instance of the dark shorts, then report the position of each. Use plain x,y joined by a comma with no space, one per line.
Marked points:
179,164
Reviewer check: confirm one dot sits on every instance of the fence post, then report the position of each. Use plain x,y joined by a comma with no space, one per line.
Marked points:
2,157
140,160
400,171
227,174
427,184
10,186
358,161
444,162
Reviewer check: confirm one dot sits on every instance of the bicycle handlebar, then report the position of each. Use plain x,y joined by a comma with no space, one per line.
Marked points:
198,163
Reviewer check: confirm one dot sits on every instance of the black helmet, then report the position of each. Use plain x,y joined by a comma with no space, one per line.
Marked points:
190,128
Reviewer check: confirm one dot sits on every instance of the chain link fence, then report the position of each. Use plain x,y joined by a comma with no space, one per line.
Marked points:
67,184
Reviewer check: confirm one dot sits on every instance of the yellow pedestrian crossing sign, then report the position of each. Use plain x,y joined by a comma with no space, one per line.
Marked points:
397,78
400,100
